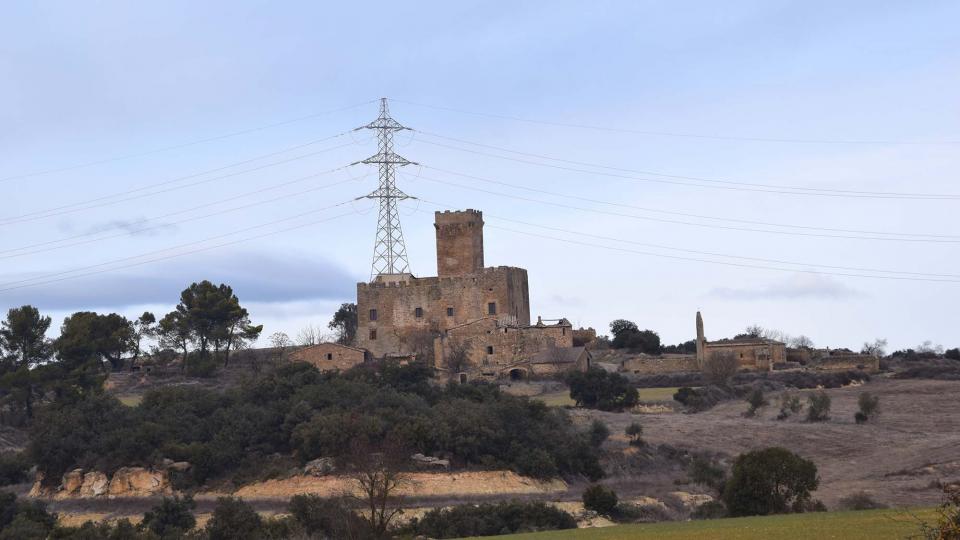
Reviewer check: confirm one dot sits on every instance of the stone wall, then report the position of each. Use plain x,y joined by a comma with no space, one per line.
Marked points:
846,362
657,365
407,308
329,356
459,242
494,346
751,354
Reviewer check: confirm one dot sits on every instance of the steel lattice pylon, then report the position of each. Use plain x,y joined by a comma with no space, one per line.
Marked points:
389,251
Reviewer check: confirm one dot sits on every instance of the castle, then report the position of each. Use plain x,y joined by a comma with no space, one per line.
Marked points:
481,312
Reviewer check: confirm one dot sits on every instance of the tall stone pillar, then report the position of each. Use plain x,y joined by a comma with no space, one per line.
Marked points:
700,341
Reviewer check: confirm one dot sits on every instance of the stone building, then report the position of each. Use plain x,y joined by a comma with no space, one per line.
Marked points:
485,308
752,353
329,356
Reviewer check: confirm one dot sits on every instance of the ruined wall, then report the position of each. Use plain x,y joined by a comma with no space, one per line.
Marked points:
750,354
657,365
493,347
459,242
846,362
410,309
329,356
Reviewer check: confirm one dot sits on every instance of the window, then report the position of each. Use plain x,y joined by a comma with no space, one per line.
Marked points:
373,314
418,312
449,312
329,356
492,308
373,334
489,349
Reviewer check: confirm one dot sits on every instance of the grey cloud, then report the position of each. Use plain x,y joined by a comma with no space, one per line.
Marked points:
133,227
255,277
799,286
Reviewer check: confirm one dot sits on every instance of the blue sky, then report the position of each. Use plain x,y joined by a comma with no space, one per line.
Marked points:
89,81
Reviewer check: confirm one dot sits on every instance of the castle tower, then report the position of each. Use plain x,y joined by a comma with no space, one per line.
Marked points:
459,242
700,340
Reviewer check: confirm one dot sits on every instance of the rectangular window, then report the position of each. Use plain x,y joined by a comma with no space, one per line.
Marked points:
449,312
489,349
373,314
418,312
329,356
373,334
492,308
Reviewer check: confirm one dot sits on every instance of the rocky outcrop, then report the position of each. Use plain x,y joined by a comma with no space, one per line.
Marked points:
319,467
95,484
430,462
71,482
139,482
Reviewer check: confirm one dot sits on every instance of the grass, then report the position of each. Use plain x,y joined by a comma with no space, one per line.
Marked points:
859,525
863,525
562,398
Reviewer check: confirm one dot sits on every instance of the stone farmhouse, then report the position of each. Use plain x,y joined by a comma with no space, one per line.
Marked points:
329,356
484,310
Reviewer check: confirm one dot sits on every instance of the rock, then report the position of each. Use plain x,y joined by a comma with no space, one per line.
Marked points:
95,484
166,463
430,461
180,466
319,467
38,490
70,483
691,500
139,482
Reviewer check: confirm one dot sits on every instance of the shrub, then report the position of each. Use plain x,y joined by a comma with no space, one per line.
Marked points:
701,399
720,366
597,389
769,481
233,519
600,499
326,518
13,468
709,510
706,472
789,405
869,407
489,520
21,520
860,500
172,517
952,354
599,432
756,400
635,432
947,526
818,407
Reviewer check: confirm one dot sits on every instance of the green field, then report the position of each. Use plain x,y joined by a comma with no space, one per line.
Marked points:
657,394
864,525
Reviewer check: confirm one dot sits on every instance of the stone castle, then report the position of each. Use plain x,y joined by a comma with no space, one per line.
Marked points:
484,311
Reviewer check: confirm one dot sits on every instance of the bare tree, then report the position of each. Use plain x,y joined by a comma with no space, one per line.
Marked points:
420,344
801,342
927,347
377,472
720,366
878,348
309,335
458,359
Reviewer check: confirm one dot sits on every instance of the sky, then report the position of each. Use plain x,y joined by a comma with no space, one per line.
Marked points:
642,160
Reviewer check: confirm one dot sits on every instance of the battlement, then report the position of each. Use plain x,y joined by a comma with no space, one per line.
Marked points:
459,242
448,217
432,281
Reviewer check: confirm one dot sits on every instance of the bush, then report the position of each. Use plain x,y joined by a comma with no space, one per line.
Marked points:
702,399
489,520
326,518
24,520
706,472
13,468
597,389
756,400
600,500
769,481
635,432
599,433
709,510
720,366
234,519
818,407
952,354
789,405
172,517
869,407
860,500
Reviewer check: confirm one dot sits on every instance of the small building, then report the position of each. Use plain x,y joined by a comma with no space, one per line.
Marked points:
556,360
329,356
752,353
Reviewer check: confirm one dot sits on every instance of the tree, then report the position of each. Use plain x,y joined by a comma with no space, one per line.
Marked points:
818,407
174,332
597,389
344,322
789,405
171,518
635,432
626,335
929,349
869,407
377,473
88,336
756,400
877,348
600,499
234,519
458,359
23,338
952,354
801,342
720,366
599,432
309,335
145,327
769,481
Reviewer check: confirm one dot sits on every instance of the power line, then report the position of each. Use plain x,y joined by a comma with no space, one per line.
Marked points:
683,177
661,220
700,252
77,207
676,134
195,218
781,191
199,250
16,284
182,145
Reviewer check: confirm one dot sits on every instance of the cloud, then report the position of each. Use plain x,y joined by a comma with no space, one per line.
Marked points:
256,277
797,287
133,227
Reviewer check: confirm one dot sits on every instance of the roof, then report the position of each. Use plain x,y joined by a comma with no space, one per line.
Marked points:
746,341
335,344
559,355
